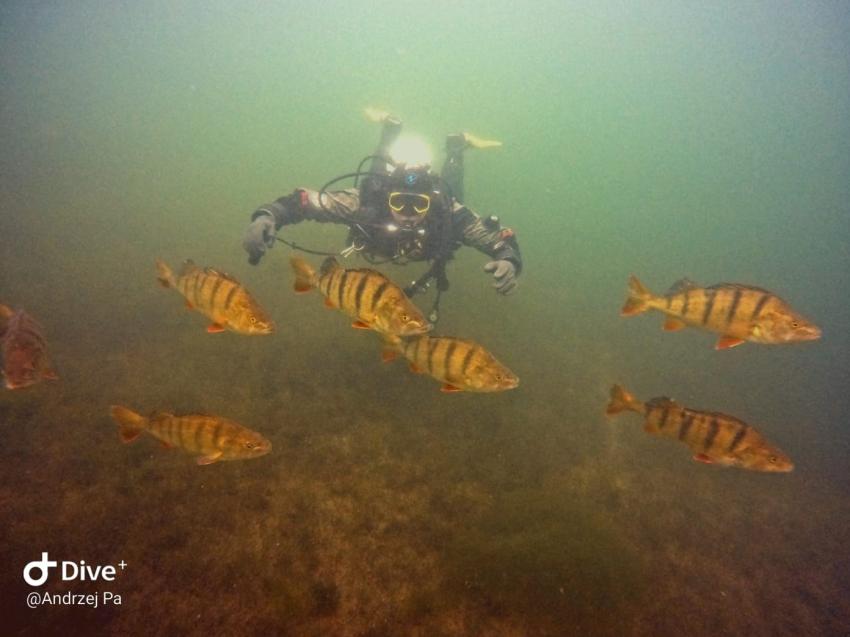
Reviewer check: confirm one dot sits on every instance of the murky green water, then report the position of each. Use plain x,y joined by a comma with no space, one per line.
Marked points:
654,138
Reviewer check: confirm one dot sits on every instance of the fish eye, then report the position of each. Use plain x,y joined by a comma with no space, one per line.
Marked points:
405,317
253,319
249,445
795,324
772,459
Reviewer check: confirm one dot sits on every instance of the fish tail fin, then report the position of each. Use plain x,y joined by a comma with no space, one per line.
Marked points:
305,275
130,424
638,300
164,274
621,400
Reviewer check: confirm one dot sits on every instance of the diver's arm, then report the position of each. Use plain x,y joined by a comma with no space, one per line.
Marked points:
303,204
486,235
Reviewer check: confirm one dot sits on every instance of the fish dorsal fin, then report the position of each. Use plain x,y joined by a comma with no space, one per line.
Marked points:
223,275
187,267
681,285
737,286
329,265
661,401
370,271
721,417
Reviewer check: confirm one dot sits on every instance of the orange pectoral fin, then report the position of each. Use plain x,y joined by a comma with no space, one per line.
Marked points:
329,303
701,457
301,287
388,355
360,325
673,324
215,328
415,368
449,389
725,342
189,306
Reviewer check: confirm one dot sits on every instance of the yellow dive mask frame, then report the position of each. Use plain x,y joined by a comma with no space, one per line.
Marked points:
400,202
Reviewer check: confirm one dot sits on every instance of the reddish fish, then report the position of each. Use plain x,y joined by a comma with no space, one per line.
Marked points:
24,350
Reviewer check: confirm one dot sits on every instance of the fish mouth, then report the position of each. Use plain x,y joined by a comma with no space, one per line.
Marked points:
503,384
414,329
266,328
811,333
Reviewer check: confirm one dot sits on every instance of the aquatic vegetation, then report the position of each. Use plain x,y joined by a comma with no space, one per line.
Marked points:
547,554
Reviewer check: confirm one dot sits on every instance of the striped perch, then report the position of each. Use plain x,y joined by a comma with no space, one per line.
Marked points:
218,296
460,364
370,298
737,312
714,438
23,349
211,438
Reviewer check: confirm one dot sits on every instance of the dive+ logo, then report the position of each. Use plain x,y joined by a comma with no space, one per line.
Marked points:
71,571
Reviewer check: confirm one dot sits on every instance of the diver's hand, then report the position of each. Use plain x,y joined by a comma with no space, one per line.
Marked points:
504,272
259,237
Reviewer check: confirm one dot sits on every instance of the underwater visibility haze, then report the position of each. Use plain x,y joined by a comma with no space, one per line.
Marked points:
283,479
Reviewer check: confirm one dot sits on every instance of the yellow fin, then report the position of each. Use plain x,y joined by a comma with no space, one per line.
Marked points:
130,424
638,300
164,274
375,115
479,142
305,275
622,400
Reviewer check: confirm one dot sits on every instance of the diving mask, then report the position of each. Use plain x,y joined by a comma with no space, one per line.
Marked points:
409,204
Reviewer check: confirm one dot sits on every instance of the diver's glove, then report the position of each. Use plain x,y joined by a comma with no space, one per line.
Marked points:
504,272
259,237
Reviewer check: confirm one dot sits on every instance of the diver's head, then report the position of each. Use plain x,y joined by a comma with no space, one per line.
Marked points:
411,194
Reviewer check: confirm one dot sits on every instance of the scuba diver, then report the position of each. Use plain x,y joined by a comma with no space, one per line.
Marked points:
399,212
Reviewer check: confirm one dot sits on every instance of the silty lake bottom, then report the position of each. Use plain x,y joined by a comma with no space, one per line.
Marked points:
388,507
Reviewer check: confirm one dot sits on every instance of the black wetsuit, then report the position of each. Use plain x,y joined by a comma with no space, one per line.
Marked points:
370,231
